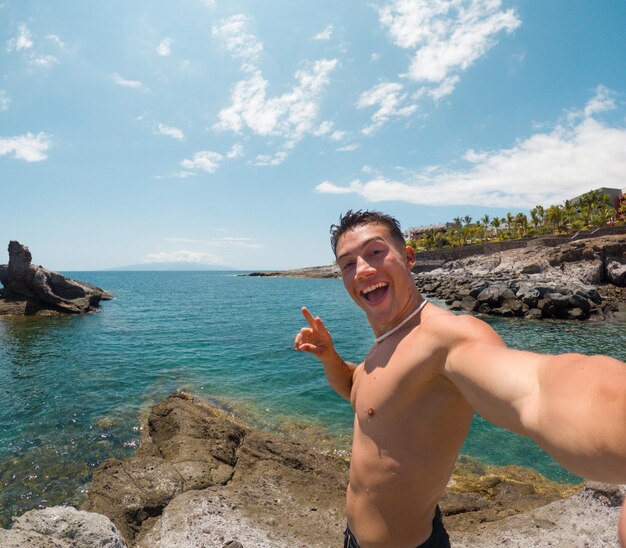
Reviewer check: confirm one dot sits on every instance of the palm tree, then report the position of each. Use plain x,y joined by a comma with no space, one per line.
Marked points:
521,222
554,216
495,223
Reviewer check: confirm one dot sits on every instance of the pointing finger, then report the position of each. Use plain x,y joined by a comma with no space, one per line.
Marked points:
308,317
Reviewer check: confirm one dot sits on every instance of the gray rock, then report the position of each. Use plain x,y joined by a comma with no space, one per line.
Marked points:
616,272
61,527
532,268
469,303
529,296
533,314
490,295
517,307
39,289
506,294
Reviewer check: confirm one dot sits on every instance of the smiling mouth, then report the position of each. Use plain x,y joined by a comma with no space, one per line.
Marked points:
374,293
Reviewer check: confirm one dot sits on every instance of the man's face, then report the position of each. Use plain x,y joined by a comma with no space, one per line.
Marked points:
376,272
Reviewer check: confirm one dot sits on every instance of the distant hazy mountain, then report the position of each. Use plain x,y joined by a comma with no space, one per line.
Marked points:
169,267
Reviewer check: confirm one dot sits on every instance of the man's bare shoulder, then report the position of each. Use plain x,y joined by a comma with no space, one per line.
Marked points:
448,330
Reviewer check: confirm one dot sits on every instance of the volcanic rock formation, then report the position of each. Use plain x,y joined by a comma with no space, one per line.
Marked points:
31,289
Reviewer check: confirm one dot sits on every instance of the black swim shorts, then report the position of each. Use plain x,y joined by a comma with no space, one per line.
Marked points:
438,538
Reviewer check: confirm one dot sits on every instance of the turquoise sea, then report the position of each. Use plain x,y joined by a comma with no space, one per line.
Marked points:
73,389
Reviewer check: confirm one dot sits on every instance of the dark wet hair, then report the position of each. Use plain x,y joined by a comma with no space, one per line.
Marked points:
351,219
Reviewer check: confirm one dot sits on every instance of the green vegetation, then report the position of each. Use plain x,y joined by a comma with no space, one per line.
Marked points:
591,210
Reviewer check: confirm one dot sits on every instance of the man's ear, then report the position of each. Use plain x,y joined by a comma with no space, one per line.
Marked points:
410,256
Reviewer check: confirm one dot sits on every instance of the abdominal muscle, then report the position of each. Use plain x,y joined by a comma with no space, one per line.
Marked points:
402,458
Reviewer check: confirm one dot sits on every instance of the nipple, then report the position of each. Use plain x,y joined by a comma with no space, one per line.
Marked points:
370,412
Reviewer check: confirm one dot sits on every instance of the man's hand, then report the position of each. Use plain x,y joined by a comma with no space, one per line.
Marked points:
316,340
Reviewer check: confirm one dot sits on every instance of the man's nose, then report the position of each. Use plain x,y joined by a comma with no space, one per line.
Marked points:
363,268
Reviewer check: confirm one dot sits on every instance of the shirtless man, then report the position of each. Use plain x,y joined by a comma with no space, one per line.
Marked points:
429,370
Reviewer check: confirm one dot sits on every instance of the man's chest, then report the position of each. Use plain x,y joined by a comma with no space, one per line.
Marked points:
389,381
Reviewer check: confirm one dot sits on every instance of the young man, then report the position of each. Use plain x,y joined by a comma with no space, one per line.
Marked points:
429,370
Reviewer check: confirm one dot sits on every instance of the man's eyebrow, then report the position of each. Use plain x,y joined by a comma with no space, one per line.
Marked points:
362,246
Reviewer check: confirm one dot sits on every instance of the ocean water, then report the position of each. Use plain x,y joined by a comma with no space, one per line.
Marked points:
73,389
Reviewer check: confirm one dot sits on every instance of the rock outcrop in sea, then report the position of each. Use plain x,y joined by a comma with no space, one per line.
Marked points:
31,289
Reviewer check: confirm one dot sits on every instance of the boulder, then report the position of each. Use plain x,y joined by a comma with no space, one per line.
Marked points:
32,289
614,257
533,314
61,527
201,475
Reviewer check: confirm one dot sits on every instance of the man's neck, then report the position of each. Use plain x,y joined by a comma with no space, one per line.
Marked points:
412,304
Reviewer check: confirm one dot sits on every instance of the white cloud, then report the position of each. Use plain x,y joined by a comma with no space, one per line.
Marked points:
291,115
183,174
234,36
324,128
22,41
205,160
349,148
444,88
5,100
235,152
269,160
325,34
391,100
329,188
546,168
447,36
226,241
164,49
134,84
170,131
210,4
604,100
375,57
45,61
184,256
338,135
27,147
57,41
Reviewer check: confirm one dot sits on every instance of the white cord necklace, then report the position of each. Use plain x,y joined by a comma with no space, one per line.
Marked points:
402,323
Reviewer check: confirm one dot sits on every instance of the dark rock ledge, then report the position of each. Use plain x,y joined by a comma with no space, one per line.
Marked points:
574,281
33,290
201,478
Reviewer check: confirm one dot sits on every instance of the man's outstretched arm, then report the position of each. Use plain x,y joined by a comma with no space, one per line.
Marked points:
316,340
572,405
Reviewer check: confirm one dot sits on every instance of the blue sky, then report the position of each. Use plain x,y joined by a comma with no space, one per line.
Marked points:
234,132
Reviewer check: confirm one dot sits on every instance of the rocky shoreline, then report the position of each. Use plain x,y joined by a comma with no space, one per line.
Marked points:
578,280
533,279
202,478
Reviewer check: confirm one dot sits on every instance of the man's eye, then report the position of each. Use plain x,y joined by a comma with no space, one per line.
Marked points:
347,265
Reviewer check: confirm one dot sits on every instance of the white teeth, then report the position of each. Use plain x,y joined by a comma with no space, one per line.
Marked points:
375,286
